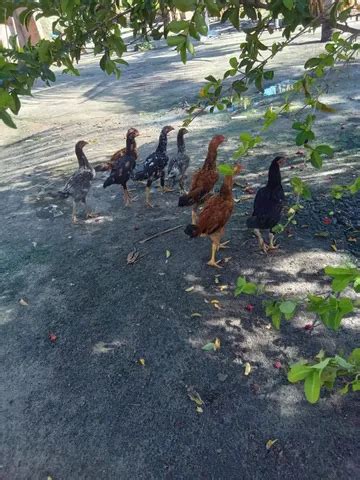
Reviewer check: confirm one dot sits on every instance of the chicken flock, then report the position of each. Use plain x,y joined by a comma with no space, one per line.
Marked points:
210,212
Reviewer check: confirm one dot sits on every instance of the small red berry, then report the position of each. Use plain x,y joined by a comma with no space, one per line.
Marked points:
309,326
52,337
249,307
327,221
277,364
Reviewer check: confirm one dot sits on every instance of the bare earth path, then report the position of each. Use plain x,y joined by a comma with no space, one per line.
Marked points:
83,407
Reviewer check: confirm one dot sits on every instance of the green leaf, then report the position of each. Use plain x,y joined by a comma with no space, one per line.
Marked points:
289,4
321,365
312,62
5,117
287,307
200,23
225,169
234,62
269,75
177,26
356,386
355,357
209,347
176,40
239,86
325,150
298,372
312,386
315,159
184,5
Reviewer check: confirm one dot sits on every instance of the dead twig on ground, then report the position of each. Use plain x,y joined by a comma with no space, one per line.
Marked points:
161,233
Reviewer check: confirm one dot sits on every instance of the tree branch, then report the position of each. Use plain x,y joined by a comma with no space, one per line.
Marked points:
347,29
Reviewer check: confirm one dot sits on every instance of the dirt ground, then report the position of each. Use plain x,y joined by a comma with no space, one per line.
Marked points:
83,407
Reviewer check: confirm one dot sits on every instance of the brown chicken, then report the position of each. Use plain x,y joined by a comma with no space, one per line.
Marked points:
203,180
214,216
119,154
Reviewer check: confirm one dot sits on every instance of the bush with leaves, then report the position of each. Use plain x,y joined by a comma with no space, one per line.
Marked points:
324,371
330,310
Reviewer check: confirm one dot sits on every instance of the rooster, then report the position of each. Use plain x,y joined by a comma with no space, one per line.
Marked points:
214,216
268,205
79,183
154,165
203,180
180,162
119,154
123,167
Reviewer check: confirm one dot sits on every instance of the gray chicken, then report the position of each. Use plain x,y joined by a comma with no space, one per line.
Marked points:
179,163
79,183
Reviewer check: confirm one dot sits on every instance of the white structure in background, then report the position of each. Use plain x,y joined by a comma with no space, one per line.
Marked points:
35,30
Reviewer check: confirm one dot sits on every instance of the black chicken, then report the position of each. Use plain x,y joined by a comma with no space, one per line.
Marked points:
154,166
123,167
79,183
180,162
268,205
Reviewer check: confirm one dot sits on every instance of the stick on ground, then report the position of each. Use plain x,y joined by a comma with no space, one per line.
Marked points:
161,233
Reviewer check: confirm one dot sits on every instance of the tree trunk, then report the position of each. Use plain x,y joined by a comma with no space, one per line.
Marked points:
326,31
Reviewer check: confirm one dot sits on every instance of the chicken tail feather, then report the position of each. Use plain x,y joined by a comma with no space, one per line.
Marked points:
192,230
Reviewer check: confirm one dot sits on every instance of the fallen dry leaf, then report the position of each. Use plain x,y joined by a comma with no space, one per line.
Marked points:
270,443
199,410
133,257
304,226
214,301
23,302
321,234
334,246
227,259
167,253
195,397
52,337
268,326
141,361
190,289
247,368
352,239
217,279
223,287
196,314
217,343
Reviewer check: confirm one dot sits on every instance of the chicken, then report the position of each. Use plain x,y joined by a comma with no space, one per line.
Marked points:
107,166
154,165
214,216
179,163
124,165
268,205
203,180
79,183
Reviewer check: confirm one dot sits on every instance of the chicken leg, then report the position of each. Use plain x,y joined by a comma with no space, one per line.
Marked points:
272,245
147,196
261,241
215,239
127,197
164,188
73,216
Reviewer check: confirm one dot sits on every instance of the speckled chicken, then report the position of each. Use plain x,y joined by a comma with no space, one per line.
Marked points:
79,183
268,205
179,163
153,167
123,167
119,154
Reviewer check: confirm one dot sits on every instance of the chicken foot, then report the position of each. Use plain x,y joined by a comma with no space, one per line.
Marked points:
212,262
164,188
127,197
